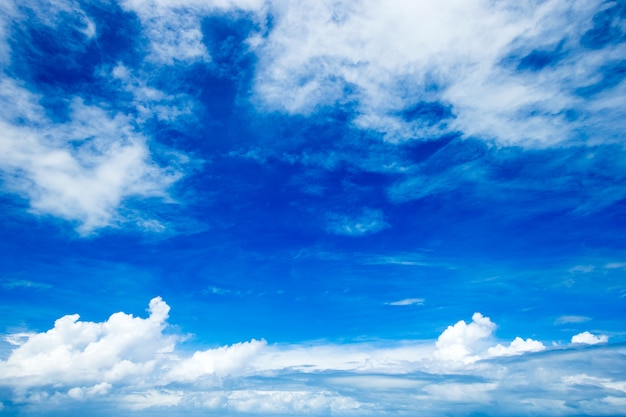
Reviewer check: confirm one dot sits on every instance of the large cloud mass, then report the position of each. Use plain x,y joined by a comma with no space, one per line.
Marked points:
137,363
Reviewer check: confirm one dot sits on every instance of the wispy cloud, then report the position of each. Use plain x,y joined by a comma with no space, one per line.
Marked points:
174,30
418,71
82,166
407,302
10,284
81,170
368,221
571,319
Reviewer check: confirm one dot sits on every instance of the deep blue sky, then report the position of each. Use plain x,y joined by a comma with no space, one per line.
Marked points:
353,177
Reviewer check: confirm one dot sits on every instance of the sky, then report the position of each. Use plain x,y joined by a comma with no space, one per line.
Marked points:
313,208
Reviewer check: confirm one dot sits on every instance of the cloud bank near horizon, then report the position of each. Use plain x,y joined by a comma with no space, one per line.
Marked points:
138,364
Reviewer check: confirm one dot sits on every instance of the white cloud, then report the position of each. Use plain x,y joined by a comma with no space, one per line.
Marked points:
589,339
462,342
407,302
367,222
75,352
136,364
517,347
173,27
150,102
390,60
18,339
87,167
227,360
81,170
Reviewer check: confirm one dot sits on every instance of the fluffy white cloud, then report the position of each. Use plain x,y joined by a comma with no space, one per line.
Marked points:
462,342
135,364
589,338
75,352
517,347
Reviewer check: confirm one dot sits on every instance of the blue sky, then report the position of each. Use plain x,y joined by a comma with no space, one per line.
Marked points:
346,208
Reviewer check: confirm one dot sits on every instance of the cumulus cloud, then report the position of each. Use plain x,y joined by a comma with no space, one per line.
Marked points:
516,347
461,342
75,352
136,364
589,338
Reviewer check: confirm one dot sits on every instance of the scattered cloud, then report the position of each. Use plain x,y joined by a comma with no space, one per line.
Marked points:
513,73
86,164
589,339
174,30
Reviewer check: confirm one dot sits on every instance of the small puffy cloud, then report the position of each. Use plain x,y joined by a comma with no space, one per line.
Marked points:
369,221
589,338
571,319
517,347
460,342
407,302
